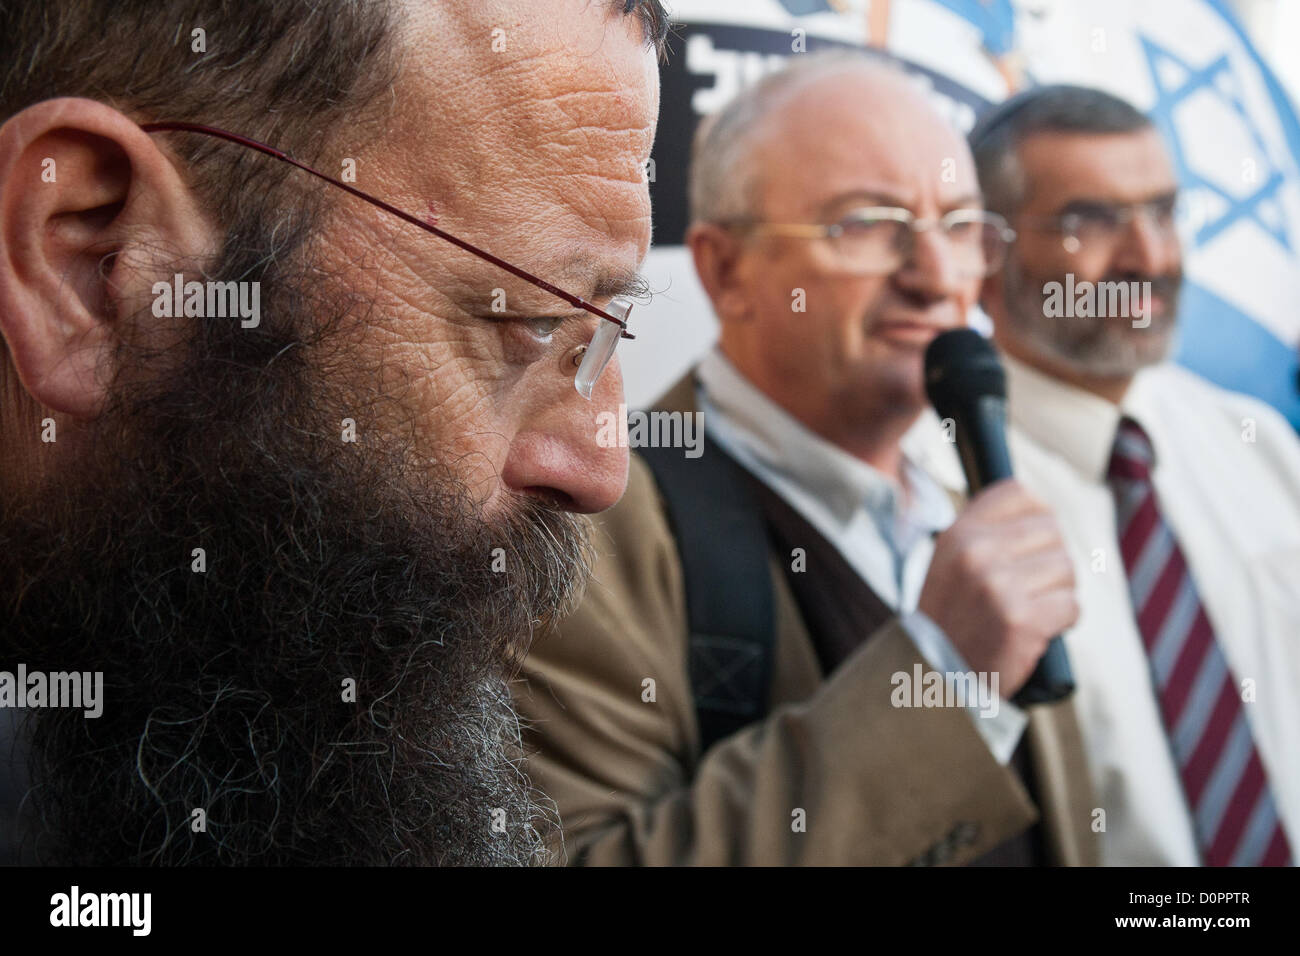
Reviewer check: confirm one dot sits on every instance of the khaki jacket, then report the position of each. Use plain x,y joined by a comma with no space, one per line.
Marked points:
833,775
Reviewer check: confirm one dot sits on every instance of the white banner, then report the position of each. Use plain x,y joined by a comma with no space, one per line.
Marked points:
1233,135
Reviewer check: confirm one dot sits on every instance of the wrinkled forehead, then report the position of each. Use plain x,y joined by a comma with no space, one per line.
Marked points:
531,118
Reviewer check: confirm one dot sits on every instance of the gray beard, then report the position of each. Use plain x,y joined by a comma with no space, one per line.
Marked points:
1106,348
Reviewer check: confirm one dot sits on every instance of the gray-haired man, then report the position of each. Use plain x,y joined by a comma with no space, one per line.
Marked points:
781,600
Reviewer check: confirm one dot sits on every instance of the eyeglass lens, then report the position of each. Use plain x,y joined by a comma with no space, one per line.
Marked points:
883,245
601,348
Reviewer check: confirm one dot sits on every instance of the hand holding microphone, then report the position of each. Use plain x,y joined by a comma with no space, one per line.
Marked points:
1001,583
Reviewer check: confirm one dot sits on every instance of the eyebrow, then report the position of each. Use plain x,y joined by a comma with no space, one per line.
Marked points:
869,196
600,281
1084,203
884,198
630,285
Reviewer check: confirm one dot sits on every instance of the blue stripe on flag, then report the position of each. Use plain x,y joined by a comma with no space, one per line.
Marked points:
1228,347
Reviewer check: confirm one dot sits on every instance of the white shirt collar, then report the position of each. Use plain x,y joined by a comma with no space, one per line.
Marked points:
787,447
1077,425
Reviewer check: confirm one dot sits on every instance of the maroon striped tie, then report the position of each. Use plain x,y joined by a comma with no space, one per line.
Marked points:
1227,790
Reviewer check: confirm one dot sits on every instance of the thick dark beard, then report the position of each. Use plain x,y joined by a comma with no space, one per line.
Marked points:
224,690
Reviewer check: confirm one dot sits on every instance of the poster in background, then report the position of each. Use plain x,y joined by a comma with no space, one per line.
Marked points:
1231,131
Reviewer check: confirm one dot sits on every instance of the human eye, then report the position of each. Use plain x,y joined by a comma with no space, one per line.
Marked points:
542,328
965,223
1095,216
1166,209
866,222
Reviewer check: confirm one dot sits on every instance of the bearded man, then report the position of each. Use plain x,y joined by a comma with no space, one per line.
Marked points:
305,547
1179,501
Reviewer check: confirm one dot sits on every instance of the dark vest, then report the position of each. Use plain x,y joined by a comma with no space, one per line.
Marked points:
839,609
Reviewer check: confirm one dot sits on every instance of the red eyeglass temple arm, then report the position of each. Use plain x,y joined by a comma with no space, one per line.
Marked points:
575,301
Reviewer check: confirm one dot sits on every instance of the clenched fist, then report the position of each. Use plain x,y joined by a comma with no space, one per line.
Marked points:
1001,584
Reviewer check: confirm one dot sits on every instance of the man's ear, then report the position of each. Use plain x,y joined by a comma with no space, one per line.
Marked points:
717,254
89,204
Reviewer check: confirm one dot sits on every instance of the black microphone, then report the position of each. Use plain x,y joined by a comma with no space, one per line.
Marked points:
966,383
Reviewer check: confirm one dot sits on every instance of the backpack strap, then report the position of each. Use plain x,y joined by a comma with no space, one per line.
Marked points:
722,541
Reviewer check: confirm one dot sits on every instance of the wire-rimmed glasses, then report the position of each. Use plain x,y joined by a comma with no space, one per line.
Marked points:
875,240
591,359
1097,224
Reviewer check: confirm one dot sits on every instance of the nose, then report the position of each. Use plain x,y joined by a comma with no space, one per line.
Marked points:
930,271
569,454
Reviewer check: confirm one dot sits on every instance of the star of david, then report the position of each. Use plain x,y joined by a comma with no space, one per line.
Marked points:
1175,80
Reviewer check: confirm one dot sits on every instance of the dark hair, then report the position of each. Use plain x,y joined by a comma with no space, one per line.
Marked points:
279,70
1044,109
